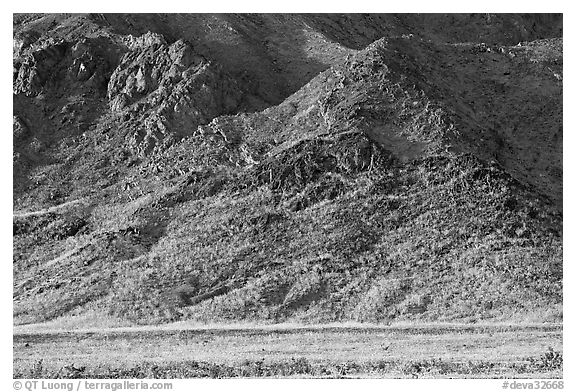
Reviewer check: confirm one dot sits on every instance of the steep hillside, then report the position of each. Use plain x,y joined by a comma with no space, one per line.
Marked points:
287,167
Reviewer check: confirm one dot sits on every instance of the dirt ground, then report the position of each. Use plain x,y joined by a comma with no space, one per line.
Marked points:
461,351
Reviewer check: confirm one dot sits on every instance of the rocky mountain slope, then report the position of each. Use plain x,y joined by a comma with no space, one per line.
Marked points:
308,168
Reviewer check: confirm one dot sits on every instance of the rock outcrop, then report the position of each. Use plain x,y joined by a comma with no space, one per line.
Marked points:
171,89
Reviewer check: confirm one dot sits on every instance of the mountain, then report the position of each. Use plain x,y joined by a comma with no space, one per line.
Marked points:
307,168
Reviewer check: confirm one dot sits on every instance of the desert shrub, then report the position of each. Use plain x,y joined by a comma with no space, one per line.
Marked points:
37,369
291,367
549,361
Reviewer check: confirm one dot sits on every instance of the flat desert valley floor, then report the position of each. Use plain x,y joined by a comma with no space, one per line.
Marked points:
462,351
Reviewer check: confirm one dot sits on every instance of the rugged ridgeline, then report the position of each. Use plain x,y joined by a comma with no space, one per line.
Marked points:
282,167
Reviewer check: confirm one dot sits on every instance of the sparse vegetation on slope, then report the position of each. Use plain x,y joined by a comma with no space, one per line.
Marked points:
409,177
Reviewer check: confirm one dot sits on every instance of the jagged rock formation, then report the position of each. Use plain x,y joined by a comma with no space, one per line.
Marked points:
287,167
170,89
